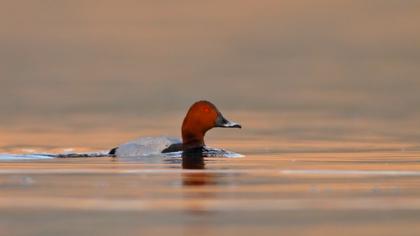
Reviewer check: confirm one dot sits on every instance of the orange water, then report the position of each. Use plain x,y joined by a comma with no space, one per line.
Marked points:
300,175
327,92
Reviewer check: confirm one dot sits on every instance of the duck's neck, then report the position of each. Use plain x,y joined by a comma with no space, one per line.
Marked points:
192,139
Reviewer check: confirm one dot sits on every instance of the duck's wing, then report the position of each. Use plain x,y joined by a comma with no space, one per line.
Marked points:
145,146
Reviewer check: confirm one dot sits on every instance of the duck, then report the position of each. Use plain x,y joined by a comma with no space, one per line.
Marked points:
201,117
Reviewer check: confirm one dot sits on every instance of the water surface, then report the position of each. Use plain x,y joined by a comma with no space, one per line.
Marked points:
343,177
327,92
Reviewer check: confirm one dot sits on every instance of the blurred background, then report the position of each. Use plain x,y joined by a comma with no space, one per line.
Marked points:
327,91
140,59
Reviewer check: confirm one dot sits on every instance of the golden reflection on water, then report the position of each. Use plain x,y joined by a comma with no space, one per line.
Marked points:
287,183
258,193
337,153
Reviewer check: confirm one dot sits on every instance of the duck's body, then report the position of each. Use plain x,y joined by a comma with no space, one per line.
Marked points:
201,117
166,146
146,146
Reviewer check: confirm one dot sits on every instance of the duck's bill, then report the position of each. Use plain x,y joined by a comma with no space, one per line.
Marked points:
224,123
231,124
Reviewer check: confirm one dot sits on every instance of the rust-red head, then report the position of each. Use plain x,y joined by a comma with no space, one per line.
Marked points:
201,117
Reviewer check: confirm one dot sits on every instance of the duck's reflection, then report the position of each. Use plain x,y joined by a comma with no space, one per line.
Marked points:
194,160
199,178
196,182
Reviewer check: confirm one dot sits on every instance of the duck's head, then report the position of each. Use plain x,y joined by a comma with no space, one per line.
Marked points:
201,117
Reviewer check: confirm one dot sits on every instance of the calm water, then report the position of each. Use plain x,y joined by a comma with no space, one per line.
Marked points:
327,92
301,175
